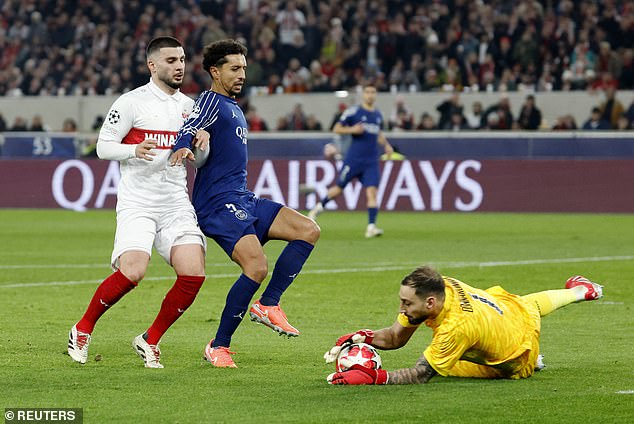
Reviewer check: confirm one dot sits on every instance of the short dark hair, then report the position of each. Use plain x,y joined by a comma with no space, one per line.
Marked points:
426,281
159,42
215,53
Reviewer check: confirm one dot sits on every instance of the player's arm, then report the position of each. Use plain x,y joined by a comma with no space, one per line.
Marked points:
419,374
117,125
342,129
393,337
387,147
204,114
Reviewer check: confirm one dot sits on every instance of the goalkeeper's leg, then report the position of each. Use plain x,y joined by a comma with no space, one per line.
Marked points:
577,289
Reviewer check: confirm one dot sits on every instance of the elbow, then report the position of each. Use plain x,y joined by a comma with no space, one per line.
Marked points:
100,150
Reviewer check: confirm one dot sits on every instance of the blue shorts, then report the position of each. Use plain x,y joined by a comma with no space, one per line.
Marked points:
366,172
233,217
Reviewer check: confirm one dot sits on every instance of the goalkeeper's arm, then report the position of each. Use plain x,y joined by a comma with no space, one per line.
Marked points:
421,373
393,337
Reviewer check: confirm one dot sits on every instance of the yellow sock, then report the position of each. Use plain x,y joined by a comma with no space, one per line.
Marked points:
550,300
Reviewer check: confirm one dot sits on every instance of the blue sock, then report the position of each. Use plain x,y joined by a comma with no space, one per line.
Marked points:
372,213
325,200
236,306
286,269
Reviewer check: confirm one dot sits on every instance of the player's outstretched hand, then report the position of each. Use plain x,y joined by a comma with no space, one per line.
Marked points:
357,375
143,150
179,156
361,336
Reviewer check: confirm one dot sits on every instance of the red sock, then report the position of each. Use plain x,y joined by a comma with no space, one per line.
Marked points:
176,301
107,294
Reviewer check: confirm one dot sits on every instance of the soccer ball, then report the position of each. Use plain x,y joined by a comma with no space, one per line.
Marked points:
358,354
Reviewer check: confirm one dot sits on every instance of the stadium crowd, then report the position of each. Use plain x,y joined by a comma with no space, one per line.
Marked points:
84,47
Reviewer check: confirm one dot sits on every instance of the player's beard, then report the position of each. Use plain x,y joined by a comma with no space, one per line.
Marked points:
171,81
235,89
173,84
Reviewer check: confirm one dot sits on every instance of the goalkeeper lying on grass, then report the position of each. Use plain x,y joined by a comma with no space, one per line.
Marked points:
476,333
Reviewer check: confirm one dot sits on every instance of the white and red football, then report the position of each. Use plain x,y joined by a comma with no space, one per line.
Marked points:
358,354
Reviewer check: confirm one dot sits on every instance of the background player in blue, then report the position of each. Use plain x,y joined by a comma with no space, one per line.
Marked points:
364,123
231,214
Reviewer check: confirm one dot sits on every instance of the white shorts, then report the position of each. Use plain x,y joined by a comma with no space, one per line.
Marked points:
141,229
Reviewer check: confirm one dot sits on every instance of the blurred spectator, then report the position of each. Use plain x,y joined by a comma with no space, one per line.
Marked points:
499,116
297,119
290,20
312,124
69,125
396,76
282,124
525,51
296,77
596,121
317,80
565,123
401,117
426,122
530,116
604,82
611,108
254,121
37,124
275,85
623,123
608,61
90,149
19,124
456,122
447,109
3,124
630,112
190,86
582,64
626,80
84,47
97,123
474,116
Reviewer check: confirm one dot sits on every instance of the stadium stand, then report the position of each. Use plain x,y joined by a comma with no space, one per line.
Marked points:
87,47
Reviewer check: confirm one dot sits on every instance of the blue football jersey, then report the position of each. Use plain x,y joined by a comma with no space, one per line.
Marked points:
225,171
364,147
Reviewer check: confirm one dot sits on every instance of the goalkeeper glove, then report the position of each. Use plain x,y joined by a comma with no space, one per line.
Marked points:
361,336
357,375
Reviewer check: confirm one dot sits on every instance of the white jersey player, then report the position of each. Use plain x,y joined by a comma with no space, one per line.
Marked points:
153,206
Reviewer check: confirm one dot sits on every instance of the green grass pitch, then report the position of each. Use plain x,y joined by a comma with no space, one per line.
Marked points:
52,261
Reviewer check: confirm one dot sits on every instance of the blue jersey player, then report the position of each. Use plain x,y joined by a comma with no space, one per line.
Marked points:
364,123
232,215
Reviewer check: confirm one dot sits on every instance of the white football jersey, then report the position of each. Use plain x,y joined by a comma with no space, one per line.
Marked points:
147,112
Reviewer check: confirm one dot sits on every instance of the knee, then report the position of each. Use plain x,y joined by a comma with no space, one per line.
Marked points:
133,273
256,269
311,231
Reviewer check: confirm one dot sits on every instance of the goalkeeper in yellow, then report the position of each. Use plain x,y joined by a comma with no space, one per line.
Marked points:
476,333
